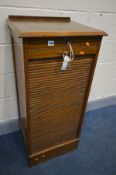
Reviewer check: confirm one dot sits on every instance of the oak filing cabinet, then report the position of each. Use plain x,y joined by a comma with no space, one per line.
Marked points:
51,99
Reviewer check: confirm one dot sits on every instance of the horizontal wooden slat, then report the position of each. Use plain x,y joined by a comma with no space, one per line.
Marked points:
56,125
64,74
55,121
48,114
42,63
50,141
56,100
54,110
62,100
36,88
44,137
48,82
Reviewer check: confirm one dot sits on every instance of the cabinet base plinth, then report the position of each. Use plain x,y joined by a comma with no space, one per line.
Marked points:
47,154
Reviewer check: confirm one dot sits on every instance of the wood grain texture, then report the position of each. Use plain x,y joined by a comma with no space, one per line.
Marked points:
38,18
53,152
54,100
50,27
20,82
40,49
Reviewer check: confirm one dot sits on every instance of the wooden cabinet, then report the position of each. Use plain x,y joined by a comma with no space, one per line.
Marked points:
52,102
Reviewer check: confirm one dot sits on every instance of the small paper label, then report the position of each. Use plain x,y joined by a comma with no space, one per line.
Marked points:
51,43
65,63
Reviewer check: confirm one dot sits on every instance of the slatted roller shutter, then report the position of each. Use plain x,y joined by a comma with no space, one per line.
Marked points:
56,99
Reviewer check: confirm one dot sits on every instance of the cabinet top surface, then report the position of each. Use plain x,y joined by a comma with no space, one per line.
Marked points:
28,26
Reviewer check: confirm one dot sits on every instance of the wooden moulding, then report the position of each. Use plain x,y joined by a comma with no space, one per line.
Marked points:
38,18
53,152
49,26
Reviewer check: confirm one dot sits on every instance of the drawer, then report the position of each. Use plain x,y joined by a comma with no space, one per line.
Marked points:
80,47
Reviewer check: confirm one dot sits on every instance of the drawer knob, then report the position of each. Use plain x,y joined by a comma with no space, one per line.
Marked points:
87,44
36,159
82,52
43,156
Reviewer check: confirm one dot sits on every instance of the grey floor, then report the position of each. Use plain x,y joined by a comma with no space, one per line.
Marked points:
96,154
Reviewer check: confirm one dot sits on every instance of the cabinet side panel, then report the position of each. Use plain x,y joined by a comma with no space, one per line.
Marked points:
99,39
20,81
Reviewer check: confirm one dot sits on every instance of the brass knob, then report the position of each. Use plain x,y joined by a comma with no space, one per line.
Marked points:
87,44
82,52
36,158
43,156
